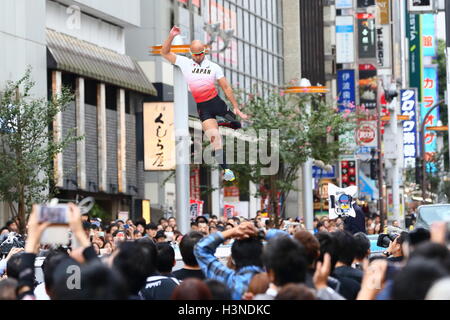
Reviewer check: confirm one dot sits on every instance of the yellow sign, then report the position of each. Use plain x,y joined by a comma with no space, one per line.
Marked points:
146,210
159,136
383,11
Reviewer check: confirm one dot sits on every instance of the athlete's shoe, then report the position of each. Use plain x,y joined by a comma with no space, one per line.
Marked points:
228,175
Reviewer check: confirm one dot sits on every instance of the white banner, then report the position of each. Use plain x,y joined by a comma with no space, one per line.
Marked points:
345,43
366,134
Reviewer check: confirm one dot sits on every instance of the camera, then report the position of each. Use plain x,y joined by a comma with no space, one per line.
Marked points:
56,215
385,239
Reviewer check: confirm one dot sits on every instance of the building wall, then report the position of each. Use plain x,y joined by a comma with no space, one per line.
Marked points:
70,154
122,13
111,150
86,27
22,39
91,146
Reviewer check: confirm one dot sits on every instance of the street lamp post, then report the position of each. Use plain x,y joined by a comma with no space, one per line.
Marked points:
422,149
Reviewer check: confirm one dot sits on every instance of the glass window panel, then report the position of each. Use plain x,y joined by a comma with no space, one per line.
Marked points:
258,32
241,81
265,66
270,68
241,56
275,40
253,61
260,65
258,7
239,22
269,10
247,58
252,5
252,29
246,31
264,9
269,38
280,42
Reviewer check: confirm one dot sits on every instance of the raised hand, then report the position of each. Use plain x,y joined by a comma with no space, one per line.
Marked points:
174,31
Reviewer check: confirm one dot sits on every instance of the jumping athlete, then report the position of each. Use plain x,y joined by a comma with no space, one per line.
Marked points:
201,74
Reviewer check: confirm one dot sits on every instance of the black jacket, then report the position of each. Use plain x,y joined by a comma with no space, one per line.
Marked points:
357,224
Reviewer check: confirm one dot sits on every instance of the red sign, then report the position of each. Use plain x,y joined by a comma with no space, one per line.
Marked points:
229,211
366,134
196,208
232,191
194,180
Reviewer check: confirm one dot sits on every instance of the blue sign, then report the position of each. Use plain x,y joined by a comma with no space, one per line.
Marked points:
408,107
429,35
346,89
344,4
321,173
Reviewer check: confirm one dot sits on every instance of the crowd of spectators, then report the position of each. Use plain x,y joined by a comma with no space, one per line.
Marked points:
268,260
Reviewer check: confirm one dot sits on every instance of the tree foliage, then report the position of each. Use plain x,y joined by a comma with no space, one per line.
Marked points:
27,147
301,135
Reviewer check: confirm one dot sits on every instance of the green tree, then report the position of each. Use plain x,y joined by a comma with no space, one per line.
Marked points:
27,146
301,135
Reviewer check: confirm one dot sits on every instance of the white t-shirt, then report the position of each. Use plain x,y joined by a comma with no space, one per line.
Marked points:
200,78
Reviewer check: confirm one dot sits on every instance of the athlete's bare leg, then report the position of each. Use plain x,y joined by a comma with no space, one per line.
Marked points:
211,128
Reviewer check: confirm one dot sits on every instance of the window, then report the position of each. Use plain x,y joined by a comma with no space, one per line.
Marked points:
241,56
252,29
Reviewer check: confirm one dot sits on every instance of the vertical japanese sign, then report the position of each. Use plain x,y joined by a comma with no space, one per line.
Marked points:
159,136
196,208
415,52
383,11
344,4
429,35
346,89
366,36
408,107
365,3
194,183
345,50
383,47
429,98
368,85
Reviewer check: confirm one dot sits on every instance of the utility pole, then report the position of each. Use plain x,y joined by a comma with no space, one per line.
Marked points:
447,52
380,160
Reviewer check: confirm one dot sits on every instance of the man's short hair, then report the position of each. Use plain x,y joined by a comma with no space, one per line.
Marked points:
13,265
416,278
52,260
362,245
247,252
187,245
166,257
287,259
135,261
310,244
345,247
151,226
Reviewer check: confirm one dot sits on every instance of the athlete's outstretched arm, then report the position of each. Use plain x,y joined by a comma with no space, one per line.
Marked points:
223,83
165,50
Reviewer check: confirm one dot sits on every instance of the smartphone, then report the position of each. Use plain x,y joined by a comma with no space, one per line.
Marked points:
56,215
126,226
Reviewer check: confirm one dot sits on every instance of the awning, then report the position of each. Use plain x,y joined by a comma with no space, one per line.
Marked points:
70,54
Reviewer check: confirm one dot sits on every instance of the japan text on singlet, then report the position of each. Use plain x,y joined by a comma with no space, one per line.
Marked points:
200,78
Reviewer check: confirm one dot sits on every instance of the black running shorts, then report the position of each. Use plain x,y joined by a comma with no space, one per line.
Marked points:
214,107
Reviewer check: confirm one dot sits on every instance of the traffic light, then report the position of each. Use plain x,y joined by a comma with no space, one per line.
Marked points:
348,173
373,169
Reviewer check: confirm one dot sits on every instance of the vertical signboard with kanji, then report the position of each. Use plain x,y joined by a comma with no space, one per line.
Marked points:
229,211
408,107
346,89
345,51
366,36
159,136
429,98
368,86
196,208
384,47
413,23
429,35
